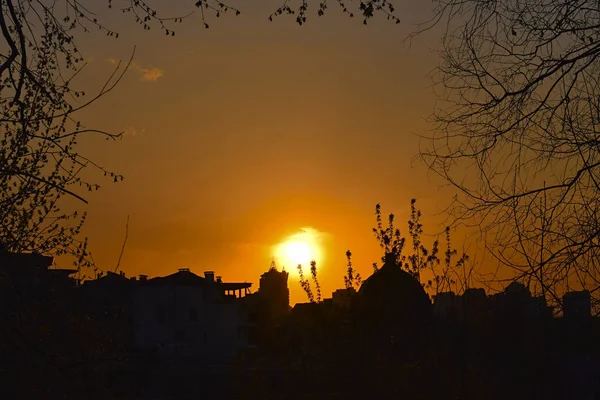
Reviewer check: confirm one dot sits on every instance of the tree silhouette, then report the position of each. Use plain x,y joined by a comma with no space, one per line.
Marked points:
305,284
391,241
452,275
389,238
313,273
39,162
516,133
352,279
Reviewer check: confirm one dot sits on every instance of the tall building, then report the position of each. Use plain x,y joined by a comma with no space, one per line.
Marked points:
274,293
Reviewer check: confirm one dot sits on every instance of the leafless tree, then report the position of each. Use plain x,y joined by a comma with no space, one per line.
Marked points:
39,162
313,273
454,274
517,132
305,285
352,279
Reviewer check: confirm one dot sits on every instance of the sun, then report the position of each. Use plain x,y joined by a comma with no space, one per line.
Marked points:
300,248
297,252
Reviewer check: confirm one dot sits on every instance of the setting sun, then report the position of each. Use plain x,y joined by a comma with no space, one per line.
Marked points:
297,252
300,248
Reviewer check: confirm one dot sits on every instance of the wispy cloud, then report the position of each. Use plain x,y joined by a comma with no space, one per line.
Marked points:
309,233
133,131
146,74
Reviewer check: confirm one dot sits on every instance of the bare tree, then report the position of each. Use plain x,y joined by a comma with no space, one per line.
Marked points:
313,273
39,162
352,279
517,132
305,285
391,242
453,274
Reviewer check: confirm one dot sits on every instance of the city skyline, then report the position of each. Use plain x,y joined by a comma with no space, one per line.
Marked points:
234,140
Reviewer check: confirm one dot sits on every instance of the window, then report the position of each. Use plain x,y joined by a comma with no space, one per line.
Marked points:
193,314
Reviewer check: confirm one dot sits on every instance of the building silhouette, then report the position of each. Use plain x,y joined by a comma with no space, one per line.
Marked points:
43,332
33,270
108,303
274,293
183,315
387,339
342,298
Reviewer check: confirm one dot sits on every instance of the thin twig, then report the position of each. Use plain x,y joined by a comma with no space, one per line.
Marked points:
123,247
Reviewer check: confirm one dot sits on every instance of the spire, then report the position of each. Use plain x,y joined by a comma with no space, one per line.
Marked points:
273,266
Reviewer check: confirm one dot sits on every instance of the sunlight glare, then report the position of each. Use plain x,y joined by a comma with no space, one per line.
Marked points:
297,252
300,248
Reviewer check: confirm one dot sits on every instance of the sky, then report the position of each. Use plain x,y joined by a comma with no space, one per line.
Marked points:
241,135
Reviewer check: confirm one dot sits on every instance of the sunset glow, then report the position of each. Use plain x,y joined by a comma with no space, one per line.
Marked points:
297,252
252,156
300,248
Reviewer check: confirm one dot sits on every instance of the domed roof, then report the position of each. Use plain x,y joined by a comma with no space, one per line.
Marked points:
394,295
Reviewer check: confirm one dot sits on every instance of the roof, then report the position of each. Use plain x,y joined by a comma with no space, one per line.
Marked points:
110,279
25,260
273,272
390,275
179,278
393,292
188,278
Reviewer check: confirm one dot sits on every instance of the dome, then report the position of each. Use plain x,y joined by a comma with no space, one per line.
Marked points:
392,296
517,288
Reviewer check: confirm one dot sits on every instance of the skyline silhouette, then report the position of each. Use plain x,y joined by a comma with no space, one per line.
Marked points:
148,337
187,192
227,153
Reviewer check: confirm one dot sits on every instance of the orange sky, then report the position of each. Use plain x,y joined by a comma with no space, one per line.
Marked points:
242,134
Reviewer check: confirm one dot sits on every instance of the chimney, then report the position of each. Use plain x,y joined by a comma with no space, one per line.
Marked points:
209,276
143,278
219,279
184,270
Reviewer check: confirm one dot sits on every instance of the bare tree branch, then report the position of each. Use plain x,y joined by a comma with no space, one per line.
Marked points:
124,243
517,132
